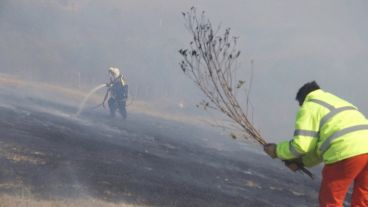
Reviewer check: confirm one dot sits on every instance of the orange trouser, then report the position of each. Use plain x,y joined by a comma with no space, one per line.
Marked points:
337,177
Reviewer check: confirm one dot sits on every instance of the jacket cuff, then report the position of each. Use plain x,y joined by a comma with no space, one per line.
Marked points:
283,151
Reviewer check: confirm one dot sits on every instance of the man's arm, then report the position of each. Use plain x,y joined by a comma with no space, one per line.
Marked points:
106,95
305,136
311,159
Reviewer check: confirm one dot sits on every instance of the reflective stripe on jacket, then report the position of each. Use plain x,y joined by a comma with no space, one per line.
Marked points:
327,129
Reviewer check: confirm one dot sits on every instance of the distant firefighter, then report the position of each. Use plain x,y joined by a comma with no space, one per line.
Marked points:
118,90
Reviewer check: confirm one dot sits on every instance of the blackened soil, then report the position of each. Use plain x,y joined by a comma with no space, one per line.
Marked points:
48,153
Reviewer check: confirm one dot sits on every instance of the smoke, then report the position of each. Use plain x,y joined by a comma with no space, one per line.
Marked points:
73,43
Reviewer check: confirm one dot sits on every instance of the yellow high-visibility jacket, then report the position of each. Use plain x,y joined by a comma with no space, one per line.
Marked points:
327,129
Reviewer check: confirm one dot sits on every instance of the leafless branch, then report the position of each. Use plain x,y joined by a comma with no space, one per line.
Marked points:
210,62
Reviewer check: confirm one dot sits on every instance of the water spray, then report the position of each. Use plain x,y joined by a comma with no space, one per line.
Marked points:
83,103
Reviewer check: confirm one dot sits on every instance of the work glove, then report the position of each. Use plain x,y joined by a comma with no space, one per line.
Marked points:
294,164
270,149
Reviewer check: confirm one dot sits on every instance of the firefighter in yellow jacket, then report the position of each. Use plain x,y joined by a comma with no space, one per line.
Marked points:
331,130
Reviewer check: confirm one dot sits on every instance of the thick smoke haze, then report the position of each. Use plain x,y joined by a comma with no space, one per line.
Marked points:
73,42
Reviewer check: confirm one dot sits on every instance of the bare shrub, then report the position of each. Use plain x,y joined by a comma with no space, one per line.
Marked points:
211,63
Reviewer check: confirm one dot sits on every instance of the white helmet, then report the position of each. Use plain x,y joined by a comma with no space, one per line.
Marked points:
114,72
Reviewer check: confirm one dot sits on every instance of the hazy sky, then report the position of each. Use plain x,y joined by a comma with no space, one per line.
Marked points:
291,42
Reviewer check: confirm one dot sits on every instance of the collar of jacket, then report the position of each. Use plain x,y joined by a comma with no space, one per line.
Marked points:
313,95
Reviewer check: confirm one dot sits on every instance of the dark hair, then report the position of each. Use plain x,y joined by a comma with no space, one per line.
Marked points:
305,90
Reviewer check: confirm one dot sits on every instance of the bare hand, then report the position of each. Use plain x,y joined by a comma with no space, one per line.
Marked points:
270,149
294,164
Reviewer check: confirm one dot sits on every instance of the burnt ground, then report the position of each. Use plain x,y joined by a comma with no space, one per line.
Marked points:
47,152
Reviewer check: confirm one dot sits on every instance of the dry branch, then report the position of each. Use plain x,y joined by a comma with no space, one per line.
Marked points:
210,63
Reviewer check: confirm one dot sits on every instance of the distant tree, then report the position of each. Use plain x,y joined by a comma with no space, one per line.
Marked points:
211,63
